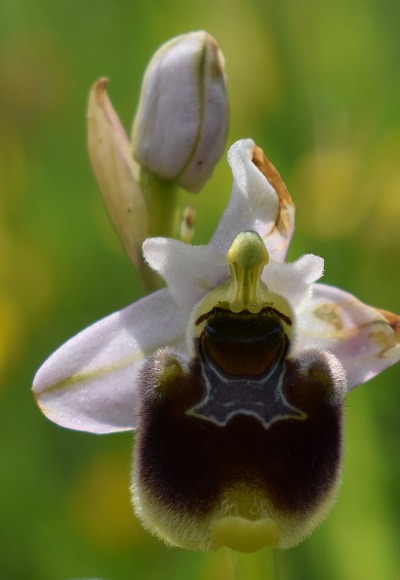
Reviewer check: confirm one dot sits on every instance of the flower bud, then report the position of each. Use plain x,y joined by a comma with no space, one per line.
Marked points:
181,125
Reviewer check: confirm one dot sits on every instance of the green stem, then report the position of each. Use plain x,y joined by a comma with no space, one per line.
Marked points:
162,201
257,566
163,208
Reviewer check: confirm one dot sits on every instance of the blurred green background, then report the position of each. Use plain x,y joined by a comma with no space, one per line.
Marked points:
317,85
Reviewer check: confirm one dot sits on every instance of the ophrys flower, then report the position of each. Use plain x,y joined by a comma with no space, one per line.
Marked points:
234,376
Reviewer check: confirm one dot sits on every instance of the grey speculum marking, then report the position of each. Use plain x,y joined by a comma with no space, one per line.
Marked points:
242,360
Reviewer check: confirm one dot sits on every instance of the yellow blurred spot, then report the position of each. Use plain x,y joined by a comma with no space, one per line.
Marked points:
11,334
35,80
101,506
254,73
245,535
331,194
13,168
383,225
219,565
24,273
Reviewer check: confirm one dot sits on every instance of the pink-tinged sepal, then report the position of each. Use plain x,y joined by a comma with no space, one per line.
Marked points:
365,340
90,382
116,172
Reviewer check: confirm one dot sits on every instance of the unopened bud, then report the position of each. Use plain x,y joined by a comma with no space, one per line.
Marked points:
181,124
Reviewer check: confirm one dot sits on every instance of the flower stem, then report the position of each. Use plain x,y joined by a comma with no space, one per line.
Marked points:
162,202
163,208
257,566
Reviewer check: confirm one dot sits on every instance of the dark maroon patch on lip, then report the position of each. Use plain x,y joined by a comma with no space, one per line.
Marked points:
186,463
243,343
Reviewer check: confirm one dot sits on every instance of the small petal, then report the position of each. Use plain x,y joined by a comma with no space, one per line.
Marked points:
293,280
116,172
190,271
362,338
89,383
254,203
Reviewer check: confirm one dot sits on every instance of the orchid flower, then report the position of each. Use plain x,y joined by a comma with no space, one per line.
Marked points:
233,375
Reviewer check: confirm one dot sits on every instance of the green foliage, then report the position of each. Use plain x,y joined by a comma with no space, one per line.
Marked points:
317,86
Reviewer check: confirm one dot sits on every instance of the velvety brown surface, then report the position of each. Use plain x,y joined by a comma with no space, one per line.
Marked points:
186,462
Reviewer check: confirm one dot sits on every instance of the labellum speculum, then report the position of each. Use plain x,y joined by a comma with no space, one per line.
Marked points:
241,444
